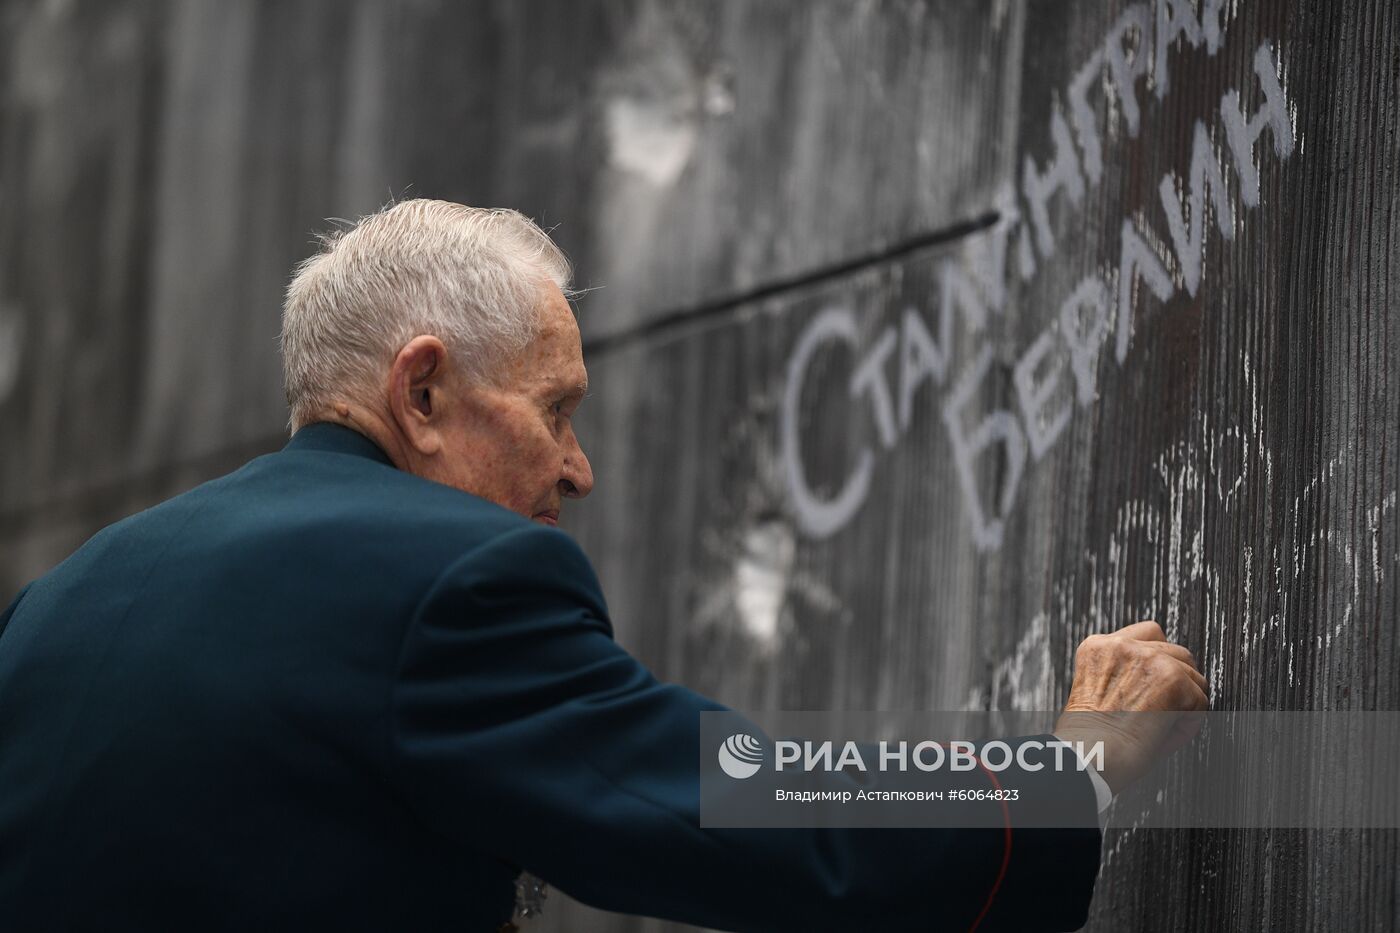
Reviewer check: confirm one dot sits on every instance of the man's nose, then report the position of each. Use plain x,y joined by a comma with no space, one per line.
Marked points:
577,479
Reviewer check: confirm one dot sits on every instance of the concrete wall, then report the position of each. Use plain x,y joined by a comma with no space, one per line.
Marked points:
928,338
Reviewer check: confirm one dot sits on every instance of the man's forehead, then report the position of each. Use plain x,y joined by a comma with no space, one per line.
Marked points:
562,374
557,347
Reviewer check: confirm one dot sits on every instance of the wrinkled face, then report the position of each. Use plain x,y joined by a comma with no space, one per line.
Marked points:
513,443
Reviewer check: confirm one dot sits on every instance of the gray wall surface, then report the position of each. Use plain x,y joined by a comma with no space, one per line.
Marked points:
927,338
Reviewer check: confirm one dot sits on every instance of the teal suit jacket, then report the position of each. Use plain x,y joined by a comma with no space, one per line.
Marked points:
322,693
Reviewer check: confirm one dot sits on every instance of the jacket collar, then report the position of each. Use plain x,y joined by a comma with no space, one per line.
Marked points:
337,439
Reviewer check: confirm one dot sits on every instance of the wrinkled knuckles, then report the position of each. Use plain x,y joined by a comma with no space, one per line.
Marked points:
1091,643
1164,666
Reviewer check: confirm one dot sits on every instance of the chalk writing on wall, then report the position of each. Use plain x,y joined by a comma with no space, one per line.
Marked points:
1101,305
1205,475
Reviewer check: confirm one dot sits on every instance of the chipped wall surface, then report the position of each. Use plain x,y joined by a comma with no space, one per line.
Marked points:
926,338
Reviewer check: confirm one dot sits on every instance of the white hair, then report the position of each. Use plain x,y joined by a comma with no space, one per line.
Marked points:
473,278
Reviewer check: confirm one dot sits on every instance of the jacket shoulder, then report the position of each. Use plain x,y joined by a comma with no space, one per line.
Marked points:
364,504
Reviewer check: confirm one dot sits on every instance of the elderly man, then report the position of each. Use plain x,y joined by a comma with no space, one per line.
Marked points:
362,683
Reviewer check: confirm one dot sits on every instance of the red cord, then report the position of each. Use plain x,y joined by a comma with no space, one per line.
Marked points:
1005,858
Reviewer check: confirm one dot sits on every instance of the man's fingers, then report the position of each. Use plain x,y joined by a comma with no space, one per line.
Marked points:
1182,654
1183,657
1196,676
1193,693
1143,631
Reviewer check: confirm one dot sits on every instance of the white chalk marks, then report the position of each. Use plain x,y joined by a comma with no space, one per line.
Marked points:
1155,563
1061,367
649,140
819,517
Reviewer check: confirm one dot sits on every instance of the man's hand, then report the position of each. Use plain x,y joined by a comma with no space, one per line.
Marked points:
1139,694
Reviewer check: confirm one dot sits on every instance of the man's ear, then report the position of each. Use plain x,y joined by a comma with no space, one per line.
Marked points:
417,382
